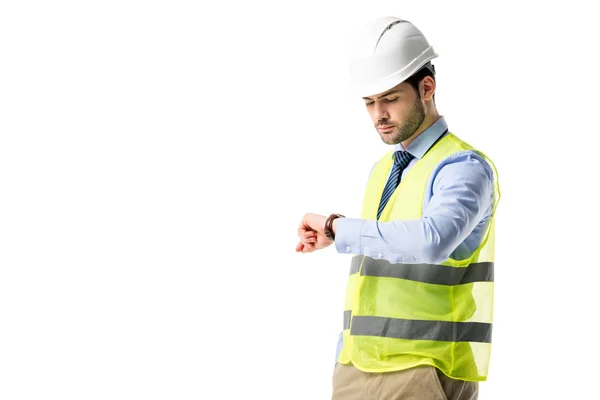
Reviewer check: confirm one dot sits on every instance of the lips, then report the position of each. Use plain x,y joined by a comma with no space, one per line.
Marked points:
385,128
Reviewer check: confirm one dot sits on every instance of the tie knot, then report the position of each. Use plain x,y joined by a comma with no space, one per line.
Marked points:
402,158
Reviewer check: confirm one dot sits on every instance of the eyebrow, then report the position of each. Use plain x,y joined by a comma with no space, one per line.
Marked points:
383,95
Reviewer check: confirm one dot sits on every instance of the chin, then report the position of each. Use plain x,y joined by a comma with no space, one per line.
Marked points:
387,139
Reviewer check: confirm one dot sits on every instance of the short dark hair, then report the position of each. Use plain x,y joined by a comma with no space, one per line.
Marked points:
416,78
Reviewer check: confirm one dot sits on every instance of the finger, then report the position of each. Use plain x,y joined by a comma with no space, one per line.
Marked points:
309,239
309,234
307,249
299,246
307,221
306,230
303,224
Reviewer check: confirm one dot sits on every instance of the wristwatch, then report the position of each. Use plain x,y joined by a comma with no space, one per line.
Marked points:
329,234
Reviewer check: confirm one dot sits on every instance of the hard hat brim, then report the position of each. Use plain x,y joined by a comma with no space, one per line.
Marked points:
366,79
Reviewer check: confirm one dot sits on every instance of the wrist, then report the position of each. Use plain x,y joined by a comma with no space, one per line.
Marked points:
329,226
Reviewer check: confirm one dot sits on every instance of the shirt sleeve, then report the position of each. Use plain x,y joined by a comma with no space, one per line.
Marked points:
462,197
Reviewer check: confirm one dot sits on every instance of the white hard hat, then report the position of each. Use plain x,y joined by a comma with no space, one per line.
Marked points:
385,53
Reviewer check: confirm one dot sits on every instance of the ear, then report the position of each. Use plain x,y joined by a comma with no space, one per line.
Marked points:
427,88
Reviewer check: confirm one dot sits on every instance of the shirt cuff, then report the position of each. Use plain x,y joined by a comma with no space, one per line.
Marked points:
347,235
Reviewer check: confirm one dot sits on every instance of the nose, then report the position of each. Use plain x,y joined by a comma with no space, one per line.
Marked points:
379,112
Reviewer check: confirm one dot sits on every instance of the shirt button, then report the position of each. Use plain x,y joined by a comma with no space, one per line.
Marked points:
348,249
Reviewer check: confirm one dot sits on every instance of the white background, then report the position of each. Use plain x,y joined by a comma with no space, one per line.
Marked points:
156,158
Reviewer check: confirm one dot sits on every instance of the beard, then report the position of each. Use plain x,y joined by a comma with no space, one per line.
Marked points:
401,132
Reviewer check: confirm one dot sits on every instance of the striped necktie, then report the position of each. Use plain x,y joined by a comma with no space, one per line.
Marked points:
401,160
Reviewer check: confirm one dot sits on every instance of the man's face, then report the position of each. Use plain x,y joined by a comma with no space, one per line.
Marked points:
396,113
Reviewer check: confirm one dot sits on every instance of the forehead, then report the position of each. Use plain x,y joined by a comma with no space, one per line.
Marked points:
400,88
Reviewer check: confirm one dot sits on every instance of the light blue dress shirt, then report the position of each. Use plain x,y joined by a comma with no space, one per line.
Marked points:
457,206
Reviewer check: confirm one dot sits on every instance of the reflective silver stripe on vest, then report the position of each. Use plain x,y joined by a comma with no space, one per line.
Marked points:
355,264
427,273
347,316
421,330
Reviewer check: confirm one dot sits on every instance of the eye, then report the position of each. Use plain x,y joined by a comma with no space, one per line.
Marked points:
391,100
369,103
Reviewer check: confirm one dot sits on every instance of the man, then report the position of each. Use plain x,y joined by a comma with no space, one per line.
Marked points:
419,298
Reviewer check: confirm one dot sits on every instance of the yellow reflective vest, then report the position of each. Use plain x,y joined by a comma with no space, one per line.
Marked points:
399,316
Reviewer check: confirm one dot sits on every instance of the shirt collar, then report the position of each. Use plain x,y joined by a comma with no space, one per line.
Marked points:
423,142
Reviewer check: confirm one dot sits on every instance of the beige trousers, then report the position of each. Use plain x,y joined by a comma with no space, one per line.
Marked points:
421,383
